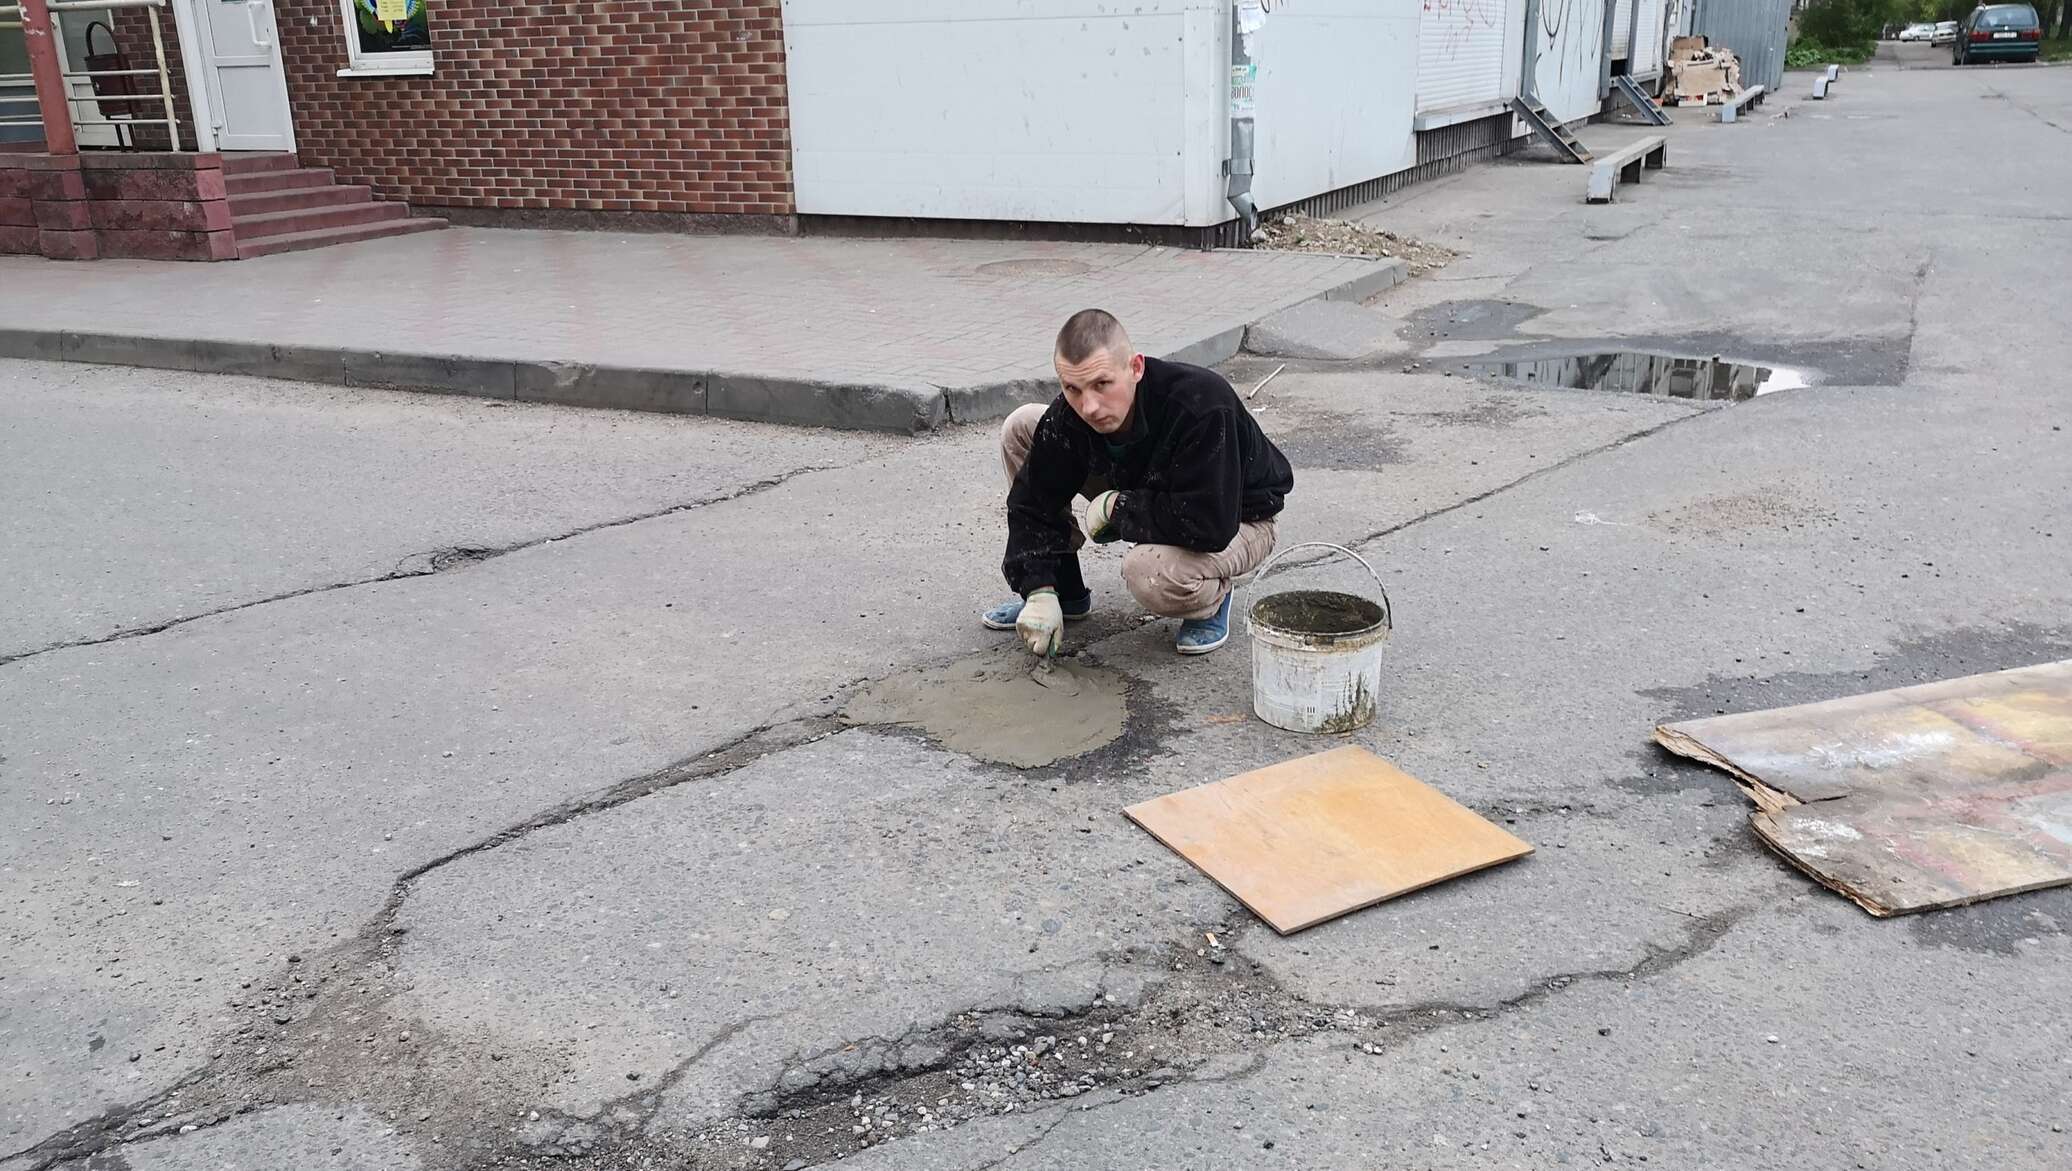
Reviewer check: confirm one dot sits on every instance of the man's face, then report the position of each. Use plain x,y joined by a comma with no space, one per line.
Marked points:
1102,389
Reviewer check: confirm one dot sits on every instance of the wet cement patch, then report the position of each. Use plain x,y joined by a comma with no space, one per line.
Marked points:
1317,612
998,706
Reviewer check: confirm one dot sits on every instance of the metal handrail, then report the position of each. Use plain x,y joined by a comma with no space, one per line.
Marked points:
171,121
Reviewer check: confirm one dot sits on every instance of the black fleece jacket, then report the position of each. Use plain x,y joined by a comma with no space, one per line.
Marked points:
1190,465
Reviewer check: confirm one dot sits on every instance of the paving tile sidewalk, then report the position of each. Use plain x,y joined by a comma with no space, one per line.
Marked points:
891,334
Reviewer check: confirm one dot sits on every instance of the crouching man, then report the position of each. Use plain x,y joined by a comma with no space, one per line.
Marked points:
1169,460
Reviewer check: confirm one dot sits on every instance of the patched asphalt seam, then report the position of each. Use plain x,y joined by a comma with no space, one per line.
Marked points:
426,565
1558,465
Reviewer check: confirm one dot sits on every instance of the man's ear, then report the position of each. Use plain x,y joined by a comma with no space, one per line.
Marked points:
1136,365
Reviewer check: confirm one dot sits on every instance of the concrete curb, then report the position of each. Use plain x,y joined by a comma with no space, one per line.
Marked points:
905,407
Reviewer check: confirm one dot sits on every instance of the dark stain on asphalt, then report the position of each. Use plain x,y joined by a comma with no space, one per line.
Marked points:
1971,650
1677,775
1470,321
1999,926
1313,438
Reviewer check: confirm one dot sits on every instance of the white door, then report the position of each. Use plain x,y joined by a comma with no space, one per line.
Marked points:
241,69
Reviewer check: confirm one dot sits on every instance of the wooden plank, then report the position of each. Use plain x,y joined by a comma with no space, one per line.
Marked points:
1922,797
1317,837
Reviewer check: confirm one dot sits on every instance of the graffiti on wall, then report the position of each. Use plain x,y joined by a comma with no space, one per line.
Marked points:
1570,55
1458,20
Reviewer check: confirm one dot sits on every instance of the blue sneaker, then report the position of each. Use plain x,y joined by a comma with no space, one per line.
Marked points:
1002,616
1199,636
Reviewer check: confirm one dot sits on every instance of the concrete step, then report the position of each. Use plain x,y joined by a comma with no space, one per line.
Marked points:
248,228
278,180
297,199
301,241
255,162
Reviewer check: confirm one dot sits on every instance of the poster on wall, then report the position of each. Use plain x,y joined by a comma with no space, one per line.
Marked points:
389,26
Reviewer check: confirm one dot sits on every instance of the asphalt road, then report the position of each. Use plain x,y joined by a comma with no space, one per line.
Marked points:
399,782
1917,55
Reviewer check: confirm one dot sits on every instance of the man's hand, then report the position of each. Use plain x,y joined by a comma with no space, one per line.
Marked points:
1042,624
1100,518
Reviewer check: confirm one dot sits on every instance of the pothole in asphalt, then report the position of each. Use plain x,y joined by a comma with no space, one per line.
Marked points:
1709,378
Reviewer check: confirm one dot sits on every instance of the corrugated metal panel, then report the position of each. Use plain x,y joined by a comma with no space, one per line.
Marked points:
1755,29
1622,28
1460,53
1648,37
1570,53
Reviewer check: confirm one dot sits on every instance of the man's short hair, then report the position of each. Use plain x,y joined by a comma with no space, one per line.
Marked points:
1090,331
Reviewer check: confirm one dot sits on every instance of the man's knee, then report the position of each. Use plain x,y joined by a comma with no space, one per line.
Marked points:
1018,435
1165,580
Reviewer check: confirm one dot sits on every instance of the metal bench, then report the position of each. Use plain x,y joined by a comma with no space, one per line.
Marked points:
1748,99
1628,163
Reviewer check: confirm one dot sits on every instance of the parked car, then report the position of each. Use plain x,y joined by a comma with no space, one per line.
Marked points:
1998,32
1917,32
1945,33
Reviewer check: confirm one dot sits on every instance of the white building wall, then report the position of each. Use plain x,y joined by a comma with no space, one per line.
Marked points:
1058,110
1461,48
1570,40
1090,111
1622,28
1337,92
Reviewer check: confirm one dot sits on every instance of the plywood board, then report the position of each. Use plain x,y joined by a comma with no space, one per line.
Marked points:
1314,838
1907,800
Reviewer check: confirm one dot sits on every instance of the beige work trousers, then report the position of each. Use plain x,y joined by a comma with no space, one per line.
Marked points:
1165,579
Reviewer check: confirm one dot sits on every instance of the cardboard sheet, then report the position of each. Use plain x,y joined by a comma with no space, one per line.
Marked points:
1908,800
1314,838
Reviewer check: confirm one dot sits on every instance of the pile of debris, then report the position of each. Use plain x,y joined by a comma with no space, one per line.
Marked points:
1301,233
1701,73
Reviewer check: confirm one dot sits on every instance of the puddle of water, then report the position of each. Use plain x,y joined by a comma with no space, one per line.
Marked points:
1635,372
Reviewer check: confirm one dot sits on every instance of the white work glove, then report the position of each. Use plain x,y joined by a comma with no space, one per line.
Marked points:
1042,624
1100,518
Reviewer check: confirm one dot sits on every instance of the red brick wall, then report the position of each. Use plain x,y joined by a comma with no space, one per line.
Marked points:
132,29
660,106
663,106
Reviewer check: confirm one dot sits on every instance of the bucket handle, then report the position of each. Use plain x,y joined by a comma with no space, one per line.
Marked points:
1388,617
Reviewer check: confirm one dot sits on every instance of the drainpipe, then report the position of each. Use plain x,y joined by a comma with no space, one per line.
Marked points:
1528,82
48,74
1604,59
1243,75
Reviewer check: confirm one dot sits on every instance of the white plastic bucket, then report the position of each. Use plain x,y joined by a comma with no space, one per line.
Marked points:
1316,654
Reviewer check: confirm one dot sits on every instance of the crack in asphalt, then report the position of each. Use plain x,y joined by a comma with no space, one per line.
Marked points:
1358,543
83,1139
424,565
112,1126
2054,124
731,756
1704,934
